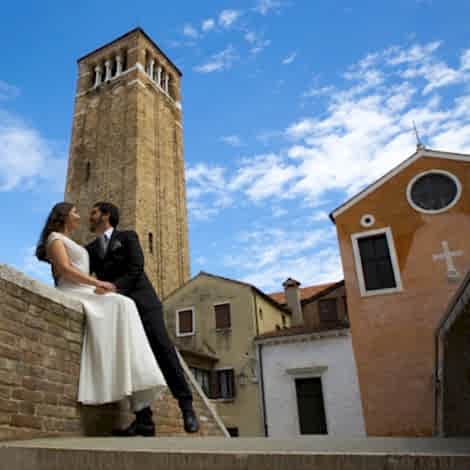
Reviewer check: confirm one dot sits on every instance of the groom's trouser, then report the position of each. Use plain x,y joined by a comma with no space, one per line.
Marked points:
151,313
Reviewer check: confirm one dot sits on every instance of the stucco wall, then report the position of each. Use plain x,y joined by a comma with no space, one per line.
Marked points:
333,358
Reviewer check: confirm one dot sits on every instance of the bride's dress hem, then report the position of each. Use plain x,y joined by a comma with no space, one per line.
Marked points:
159,389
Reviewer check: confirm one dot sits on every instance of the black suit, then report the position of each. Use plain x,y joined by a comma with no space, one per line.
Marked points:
123,265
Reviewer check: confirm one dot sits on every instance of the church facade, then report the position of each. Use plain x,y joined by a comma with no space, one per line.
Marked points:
404,244
127,148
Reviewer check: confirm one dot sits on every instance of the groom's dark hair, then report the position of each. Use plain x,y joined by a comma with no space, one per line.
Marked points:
110,209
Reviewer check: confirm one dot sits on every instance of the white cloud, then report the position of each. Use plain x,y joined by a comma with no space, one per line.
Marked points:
206,193
260,46
290,58
228,17
232,140
257,41
418,53
262,176
220,61
363,131
250,36
269,255
265,6
208,24
27,158
190,31
8,91
38,270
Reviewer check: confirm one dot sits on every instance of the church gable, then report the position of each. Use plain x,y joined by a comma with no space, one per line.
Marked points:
404,250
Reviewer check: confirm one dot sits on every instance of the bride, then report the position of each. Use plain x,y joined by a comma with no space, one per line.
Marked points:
116,359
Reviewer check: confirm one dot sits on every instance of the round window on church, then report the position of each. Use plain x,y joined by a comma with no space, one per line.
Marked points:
434,191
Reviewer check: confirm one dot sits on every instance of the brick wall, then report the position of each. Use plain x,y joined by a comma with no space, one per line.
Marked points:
40,343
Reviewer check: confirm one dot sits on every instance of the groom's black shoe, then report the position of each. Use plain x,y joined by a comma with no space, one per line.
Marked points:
143,425
191,424
136,429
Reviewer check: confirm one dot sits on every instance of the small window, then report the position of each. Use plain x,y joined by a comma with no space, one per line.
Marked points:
328,310
223,384
151,243
284,321
222,316
185,322
203,378
376,263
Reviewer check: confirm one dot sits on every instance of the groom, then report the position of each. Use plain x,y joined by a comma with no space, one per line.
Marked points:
116,256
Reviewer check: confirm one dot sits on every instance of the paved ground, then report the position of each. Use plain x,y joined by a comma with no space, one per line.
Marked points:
302,445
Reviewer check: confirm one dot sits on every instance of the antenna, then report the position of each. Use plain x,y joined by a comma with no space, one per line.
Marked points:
419,143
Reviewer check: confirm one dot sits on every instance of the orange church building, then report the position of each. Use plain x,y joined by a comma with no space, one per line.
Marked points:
405,248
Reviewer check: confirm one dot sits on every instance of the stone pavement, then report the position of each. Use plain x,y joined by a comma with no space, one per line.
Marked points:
316,452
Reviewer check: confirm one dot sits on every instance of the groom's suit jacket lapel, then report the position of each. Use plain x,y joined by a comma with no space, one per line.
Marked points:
111,243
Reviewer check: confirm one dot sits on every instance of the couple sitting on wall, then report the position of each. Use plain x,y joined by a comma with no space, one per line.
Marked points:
126,350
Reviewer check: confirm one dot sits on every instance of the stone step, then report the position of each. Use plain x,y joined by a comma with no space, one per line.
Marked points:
312,453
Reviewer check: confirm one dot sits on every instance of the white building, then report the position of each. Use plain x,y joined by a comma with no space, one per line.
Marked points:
308,378
310,385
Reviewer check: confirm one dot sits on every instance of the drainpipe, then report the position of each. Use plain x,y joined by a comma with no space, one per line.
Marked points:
259,351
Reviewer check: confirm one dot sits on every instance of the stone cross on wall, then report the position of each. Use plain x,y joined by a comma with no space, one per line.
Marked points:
448,256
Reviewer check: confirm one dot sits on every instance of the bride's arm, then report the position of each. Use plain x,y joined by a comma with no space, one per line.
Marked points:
57,254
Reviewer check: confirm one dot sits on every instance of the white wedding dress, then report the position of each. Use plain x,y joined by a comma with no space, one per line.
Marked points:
116,359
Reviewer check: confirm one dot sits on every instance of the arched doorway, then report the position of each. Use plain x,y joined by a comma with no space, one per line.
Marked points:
453,367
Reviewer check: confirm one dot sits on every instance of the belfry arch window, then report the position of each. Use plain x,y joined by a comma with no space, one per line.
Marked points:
87,171
150,241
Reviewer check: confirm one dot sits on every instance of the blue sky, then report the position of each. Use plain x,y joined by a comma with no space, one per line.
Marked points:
290,107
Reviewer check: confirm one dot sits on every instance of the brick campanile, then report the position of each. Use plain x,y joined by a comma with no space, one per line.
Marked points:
127,148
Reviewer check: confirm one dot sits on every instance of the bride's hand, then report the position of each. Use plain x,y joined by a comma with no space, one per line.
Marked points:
103,287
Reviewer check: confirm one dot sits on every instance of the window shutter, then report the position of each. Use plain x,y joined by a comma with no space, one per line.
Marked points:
328,310
185,321
222,316
214,384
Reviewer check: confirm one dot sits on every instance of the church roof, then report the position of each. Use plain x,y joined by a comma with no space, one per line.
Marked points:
420,152
307,293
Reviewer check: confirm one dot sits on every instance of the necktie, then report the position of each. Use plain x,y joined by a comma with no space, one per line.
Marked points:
104,243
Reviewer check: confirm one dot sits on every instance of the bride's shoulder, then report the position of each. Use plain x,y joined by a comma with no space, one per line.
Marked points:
55,236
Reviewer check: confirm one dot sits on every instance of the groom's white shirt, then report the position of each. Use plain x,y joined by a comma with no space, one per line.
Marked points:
109,232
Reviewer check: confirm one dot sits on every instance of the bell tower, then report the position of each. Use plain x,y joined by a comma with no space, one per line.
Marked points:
127,148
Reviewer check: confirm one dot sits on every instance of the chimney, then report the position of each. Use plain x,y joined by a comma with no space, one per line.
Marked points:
292,293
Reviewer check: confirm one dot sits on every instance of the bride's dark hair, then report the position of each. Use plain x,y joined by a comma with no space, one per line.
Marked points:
55,222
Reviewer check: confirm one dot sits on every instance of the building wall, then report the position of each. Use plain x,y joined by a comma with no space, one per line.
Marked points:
41,332
270,317
311,312
393,334
234,348
127,137
334,360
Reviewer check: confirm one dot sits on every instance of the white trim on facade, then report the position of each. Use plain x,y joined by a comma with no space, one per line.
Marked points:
418,154
358,264
439,211
193,310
